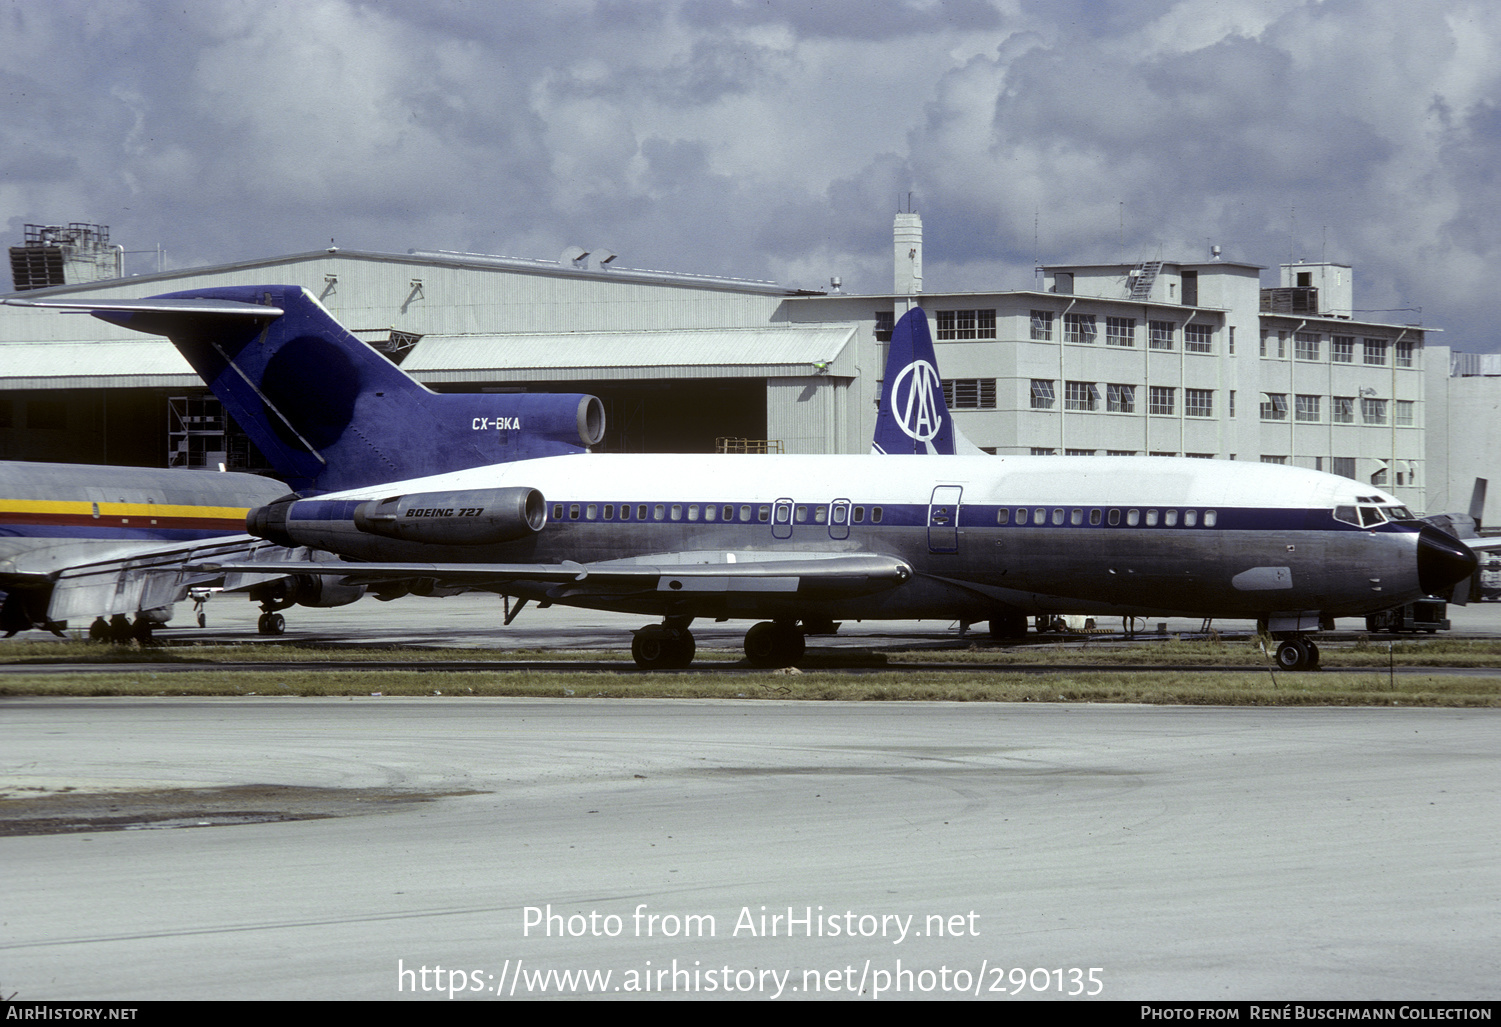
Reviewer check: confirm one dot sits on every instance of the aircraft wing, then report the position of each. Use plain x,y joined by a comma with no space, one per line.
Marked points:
150,577
812,575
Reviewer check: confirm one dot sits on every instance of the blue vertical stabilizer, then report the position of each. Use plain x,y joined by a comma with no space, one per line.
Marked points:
329,411
913,416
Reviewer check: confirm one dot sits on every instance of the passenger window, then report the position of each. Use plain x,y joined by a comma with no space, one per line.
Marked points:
875,515
641,512
729,513
1209,518
1133,518
1021,515
745,513
609,511
591,512
1057,515
763,513
1170,517
1003,515
840,513
1039,516
820,515
1077,517
859,515
783,513
573,511
557,511
710,511
1094,518
1115,518
802,515
1190,518
677,511
1151,518
693,512
658,512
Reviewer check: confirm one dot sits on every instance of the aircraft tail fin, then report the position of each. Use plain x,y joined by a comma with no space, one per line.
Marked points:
326,409
913,416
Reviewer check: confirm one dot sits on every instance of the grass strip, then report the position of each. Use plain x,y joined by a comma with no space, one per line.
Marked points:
1250,688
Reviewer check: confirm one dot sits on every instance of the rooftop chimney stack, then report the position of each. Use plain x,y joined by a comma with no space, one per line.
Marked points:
908,252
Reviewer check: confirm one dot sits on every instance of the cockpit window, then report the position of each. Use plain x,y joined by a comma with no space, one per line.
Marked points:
1398,513
1346,514
1371,516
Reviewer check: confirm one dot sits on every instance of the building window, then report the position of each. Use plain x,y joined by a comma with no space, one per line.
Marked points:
1042,326
1160,334
1232,402
1344,466
1232,340
1042,394
1307,408
1198,338
885,322
1273,459
1120,331
1160,399
1343,349
1078,328
1306,345
1120,399
1378,476
1078,452
1404,413
1039,451
1198,402
1373,411
1344,412
1274,406
1375,352
1120,452
1081,396
970,393
966,324
1404,349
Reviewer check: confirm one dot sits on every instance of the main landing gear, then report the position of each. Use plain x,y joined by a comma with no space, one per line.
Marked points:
667,646
1297,653
670,645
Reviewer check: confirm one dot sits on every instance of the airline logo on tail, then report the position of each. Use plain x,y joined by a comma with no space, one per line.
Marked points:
914,417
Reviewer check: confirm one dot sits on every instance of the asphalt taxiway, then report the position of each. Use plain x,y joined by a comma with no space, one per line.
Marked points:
1183,852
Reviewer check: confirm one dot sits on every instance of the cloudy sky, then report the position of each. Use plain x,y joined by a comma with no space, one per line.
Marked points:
775,139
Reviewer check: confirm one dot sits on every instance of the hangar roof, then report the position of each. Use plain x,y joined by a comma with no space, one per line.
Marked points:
144,364
789,352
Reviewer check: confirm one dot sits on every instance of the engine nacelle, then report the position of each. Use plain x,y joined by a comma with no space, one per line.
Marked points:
305,590
474,517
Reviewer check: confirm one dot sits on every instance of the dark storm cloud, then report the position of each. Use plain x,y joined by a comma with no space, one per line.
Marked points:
776,140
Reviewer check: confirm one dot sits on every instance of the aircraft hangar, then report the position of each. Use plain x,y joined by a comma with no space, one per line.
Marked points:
683,363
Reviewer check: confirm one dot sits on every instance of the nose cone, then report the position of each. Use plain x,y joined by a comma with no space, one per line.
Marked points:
1443,561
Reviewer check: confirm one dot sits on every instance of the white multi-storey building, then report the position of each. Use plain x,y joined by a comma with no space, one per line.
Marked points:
1173,359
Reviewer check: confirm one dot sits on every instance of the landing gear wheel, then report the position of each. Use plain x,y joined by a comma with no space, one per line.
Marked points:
141,630
1297,654
656,647
769,644
271,624
1008,626
120,631
99,630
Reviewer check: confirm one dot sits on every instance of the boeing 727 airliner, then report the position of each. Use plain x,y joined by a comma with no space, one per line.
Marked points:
800,542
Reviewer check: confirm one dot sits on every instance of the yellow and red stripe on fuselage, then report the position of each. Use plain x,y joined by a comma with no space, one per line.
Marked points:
45,518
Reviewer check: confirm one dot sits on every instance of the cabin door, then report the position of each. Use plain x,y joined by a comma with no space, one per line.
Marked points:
943,519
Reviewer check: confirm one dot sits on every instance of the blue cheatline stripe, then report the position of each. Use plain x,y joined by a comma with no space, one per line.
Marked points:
116,533
915,515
